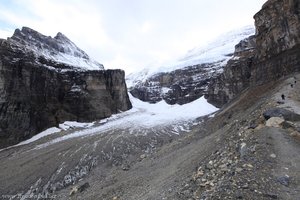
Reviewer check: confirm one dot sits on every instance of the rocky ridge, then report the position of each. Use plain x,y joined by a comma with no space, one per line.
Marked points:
276,53
42,84
60,50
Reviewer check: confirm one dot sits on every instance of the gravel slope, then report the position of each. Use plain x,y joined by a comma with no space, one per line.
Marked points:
230,156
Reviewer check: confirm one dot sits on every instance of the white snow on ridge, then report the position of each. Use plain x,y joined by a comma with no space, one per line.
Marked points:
217,51
71,124
59,49
78,62
143,115
45,133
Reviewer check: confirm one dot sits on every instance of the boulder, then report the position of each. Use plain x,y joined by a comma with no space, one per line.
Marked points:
283,113
274,122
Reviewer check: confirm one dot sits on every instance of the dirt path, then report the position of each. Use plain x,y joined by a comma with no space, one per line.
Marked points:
286,154
287,149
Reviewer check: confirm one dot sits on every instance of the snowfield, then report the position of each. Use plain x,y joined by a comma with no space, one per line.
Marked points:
219,51
143,116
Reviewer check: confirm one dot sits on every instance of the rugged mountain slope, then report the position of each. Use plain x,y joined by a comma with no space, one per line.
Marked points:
256,156
247,150
45,81
230,156
114,143
187,79
277,52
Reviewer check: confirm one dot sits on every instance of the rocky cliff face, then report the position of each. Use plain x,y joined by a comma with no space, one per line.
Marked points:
179,86
277,27
277,40
191,75
45,81
276,52
236,75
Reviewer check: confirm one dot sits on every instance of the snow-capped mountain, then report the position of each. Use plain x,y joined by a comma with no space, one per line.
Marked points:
59,49
219,50
45,81
187,78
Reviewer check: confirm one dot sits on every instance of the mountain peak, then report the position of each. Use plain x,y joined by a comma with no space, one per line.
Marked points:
26,31
59,49
59,36
27,34
62,38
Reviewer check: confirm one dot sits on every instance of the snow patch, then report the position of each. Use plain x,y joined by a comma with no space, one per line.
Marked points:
144,115
165,90
62,127
49,131
78,62
72,124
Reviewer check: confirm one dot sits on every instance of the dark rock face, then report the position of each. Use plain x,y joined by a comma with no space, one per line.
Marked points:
34,97
281,112
236,75
277,27
278,40
276,52
180,86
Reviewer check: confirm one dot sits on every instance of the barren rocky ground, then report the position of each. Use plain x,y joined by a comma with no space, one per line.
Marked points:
237,154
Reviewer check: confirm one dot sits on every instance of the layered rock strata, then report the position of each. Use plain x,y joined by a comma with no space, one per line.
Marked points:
276,53
38,91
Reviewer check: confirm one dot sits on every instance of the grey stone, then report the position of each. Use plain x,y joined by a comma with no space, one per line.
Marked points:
79,188
271,195
284,180
281,112
243,149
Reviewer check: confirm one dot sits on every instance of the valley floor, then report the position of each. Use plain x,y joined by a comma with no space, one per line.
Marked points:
232,155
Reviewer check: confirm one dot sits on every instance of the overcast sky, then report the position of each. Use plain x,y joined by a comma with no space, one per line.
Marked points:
130,34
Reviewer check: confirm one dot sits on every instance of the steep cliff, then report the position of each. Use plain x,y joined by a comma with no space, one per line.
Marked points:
45,81
276,52
235,77
180,86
